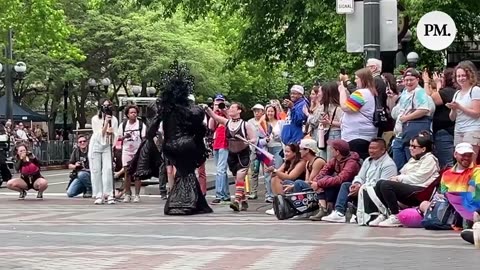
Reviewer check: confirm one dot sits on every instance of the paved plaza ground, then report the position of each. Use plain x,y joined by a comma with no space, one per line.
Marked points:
61,233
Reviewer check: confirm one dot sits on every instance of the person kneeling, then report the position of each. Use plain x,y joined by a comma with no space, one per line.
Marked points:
80,181
30,177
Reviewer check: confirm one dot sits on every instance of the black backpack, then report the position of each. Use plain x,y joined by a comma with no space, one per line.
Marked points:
380,116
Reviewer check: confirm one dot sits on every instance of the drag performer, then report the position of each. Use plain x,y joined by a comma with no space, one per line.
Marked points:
238,151
183,142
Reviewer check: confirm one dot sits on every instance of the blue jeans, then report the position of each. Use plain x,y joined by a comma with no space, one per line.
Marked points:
81,184
278,160
298,185
401,153
444,148
222,190
342,198
327,153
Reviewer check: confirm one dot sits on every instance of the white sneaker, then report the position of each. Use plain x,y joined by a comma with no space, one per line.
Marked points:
270,212
392,221
127,198
98,201
136,199
378,220
111,200
335,217
353,219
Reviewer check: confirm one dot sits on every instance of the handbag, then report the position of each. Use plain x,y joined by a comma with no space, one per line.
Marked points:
326,134
439,216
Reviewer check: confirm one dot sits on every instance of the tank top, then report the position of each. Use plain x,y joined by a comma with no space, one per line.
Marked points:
236,145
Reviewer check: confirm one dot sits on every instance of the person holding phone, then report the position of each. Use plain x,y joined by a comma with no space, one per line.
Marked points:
30,177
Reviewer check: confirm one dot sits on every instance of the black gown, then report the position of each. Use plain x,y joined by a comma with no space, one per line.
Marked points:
184,147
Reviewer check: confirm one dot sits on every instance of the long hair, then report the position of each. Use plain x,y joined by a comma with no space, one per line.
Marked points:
366,76
330,95
290,164
100,104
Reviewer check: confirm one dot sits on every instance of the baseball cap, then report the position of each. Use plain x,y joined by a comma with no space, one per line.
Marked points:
341,146
219,97
463,148
309,144
258,107
411,72
297,88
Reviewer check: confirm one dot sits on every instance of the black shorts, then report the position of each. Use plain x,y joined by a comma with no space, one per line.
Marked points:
30,179
238,161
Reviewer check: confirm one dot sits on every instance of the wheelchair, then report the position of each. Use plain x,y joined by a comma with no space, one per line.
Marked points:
292,204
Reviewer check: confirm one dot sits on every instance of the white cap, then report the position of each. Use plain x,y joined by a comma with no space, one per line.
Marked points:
191,97
309,144
463,148
297,88
258,107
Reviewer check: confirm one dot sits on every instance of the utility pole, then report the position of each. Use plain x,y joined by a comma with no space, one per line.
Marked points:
8,75
371,33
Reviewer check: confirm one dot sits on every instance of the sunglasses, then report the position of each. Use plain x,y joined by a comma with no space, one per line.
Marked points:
82,141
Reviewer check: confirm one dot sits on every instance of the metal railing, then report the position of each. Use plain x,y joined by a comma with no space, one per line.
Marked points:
49,152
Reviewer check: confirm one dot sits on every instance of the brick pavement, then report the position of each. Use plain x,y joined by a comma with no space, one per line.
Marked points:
60,233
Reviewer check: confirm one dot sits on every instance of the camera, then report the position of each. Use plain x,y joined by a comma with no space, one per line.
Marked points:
107,109
221,106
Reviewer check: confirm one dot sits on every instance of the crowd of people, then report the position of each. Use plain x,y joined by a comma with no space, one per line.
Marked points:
369,153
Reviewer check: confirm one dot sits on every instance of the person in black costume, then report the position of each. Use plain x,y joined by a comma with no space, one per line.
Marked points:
182,145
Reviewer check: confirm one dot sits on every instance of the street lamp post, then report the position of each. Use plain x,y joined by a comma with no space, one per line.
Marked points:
11,74
412,59
92,83
65,110
136,90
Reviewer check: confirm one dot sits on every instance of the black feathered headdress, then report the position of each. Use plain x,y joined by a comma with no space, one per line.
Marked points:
175,85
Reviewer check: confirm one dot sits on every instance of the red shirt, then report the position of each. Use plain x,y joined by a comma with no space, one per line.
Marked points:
220,138
29,168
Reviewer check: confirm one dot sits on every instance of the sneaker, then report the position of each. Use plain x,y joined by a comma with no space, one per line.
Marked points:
269,200
378,220
321,213
235,205
127,199
40,195
87,195
335,217
163,196
244,206
270,212
391,221
98,201
111,200
136,199
228,199
253,196
467,235
353,219
22,195
216,201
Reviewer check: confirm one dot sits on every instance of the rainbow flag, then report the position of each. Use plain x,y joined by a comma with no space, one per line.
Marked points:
264,156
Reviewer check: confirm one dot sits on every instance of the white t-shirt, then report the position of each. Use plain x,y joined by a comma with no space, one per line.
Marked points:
131,144
358,122
465,123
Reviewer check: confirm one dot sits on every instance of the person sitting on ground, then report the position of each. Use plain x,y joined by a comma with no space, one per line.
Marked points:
420,171
378,166
343,167
292,169
30,177
462,178
80,181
